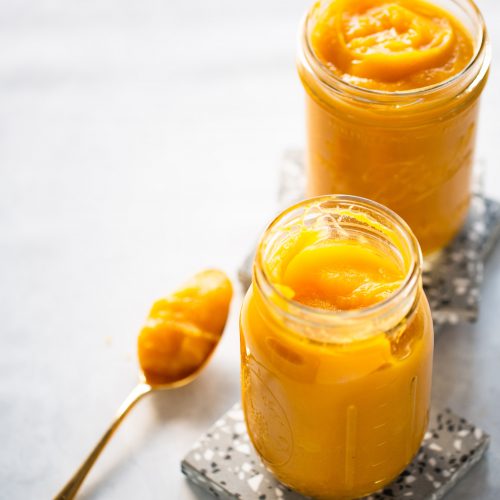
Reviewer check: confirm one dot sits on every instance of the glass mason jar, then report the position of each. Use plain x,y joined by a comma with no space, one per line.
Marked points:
409,150
336,402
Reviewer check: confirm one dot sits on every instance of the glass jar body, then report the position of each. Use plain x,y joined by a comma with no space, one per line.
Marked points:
333,421
411,151
422,171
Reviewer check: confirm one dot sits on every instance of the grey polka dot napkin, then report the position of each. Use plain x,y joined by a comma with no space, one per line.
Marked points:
452,279
224,463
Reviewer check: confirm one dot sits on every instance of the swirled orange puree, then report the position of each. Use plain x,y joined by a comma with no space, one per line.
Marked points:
341,275
390,44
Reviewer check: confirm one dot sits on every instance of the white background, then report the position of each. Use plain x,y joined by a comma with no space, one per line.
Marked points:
139,143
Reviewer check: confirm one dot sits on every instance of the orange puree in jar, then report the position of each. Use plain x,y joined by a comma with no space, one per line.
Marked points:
393,90
341,275
390,44
336,340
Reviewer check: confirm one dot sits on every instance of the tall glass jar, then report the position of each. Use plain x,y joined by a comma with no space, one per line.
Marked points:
411,150
336,402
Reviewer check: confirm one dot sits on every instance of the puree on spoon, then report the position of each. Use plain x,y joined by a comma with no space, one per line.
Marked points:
183,328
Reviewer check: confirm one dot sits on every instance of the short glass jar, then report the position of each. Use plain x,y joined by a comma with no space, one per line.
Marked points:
336,402
410,150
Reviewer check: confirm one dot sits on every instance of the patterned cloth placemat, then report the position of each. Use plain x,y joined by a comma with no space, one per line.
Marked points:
452,279
224,462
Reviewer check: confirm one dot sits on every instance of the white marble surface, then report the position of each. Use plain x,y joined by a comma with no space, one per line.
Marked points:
138,144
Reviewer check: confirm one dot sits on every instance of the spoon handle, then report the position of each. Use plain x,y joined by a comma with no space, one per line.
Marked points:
72,486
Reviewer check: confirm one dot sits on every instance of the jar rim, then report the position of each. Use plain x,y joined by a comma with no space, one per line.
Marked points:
322,317
334,82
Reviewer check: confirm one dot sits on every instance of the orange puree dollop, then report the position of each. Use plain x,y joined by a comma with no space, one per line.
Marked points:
390,45
183,328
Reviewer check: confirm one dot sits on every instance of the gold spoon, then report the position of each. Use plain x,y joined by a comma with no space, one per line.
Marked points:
170,319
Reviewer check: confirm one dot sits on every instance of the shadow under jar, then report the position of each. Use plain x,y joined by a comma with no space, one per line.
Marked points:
336,347
392,105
